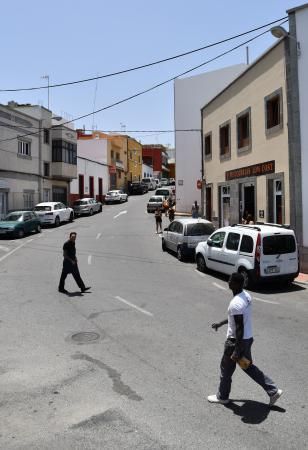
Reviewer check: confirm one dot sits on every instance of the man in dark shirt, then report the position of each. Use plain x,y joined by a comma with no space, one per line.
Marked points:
70,265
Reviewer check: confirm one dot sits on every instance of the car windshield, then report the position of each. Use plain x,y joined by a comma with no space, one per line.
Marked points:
42,208
14,217
199,229
164,192
279,244
112,193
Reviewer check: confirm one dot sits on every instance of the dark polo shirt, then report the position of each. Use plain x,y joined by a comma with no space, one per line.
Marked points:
70,251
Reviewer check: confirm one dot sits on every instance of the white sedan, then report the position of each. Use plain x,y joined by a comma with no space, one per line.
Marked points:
54,213
116,196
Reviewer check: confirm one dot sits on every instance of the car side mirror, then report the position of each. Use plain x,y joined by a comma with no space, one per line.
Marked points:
166,229
210,242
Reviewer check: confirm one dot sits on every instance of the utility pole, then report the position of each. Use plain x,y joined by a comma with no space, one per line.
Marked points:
46,77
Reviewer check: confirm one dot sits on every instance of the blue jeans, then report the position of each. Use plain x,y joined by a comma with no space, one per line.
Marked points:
228,366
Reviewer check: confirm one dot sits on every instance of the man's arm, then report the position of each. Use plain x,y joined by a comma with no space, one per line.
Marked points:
219,324
65,256
239,324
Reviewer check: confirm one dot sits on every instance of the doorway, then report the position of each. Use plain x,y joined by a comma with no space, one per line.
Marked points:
247,200
208,203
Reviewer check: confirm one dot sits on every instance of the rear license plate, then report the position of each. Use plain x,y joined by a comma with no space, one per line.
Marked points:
272,269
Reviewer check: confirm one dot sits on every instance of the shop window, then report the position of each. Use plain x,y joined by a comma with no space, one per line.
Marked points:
243,131
208,146
273,112
224,140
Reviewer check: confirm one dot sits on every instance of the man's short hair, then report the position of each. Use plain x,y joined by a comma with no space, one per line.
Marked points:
73,232
237,278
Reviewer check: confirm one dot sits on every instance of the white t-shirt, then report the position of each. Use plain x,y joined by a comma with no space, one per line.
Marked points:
240,305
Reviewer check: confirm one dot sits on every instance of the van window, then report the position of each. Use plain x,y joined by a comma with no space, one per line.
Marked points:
246,244
199,229
218,239
233,241
279,244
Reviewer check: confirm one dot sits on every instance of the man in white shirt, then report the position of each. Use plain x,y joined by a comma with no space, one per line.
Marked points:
238,346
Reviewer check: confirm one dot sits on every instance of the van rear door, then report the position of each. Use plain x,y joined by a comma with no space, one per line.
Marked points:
279,255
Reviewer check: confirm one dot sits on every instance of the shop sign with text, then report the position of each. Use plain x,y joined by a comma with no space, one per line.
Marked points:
251,171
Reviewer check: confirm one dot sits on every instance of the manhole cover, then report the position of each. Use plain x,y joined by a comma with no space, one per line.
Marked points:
85,336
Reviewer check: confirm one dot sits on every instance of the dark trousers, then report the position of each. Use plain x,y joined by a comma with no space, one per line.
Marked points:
73,269
228,366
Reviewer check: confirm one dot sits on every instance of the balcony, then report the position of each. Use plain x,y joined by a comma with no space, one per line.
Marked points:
119,164
63,171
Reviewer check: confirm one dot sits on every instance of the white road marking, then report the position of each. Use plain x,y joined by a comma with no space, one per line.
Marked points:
15,249
120,213
200,273
219,286
143,311
98,235
90,259
265,301
5,249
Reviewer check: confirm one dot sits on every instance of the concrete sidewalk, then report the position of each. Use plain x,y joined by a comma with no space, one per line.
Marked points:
302,278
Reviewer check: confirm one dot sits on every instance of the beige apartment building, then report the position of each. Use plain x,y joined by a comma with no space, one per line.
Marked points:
245,145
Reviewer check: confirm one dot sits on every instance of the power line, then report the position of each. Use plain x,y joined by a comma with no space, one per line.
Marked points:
138,94
112,74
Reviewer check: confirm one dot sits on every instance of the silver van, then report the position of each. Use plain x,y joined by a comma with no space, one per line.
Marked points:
183,235
150,182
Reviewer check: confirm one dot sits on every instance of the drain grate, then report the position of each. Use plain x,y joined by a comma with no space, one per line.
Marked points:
85,336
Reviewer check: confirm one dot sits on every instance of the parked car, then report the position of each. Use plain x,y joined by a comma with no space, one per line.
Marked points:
150,183
116,196
183,235
164,182
261,252
154,202
85,206
19,223
158,184
138,187
54,213
165,192
171,181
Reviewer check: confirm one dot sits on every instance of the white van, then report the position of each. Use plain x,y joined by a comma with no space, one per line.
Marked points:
150,182
261,252
166,191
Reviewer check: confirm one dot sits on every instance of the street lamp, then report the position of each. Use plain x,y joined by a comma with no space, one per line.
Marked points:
280,32
46,77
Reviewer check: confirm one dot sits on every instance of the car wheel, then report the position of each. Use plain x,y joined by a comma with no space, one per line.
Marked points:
20,233
100,208
91,212
71,217
57,221
163,245
179,253
126,199
247,281
38,229
201,264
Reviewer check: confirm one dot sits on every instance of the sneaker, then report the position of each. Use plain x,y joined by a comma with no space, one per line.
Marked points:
86,289
63,291
215,399
275,397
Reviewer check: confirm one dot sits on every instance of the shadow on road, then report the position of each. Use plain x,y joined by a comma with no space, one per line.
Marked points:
75,294
252,412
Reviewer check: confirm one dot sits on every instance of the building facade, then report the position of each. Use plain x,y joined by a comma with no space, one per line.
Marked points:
134,160
155,155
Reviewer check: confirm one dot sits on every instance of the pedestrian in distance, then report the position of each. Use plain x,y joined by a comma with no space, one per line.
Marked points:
195,210
158,219
166,206
70,265
237,347
171,214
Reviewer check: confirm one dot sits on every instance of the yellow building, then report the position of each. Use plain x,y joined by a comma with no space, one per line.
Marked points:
134,160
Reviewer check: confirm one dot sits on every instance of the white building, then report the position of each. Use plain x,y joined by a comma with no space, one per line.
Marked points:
147,171
190,94
92,169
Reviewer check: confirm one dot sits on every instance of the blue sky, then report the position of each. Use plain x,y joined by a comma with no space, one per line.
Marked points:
74,39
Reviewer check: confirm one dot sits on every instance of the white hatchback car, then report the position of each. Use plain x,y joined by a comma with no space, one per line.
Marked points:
116,196
53,213
261,252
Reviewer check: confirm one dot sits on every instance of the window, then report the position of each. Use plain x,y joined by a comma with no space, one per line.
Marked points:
46,169
208,146
199,229
63,151
218,239
243,130
112,154
273,111
28,200
46,136
224,140
118,156
246,244
233,241
24,148
81,185
279,244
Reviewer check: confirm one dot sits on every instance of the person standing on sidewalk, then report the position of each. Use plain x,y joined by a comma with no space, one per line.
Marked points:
195,210
238,346
70,265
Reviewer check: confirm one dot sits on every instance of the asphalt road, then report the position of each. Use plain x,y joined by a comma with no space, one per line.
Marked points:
129,364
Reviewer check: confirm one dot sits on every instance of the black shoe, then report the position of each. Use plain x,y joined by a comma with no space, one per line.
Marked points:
63,291
85,289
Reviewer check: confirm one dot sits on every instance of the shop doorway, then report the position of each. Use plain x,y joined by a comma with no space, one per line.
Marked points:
208,203
247,201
